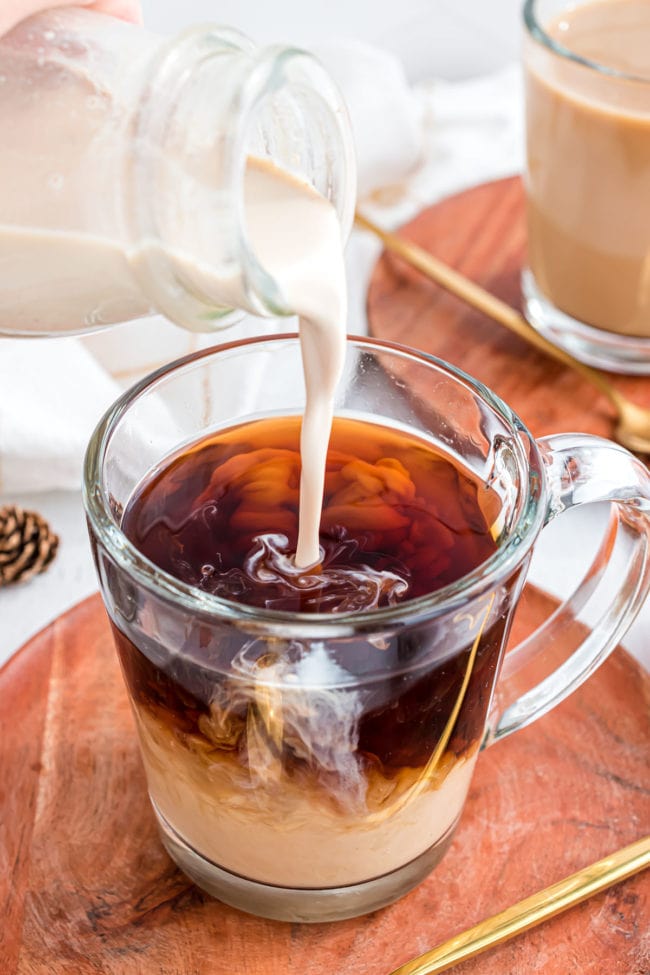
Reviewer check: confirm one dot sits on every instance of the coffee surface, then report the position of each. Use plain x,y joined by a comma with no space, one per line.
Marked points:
400,520
611,33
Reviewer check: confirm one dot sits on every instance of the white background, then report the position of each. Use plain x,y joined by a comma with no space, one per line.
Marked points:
447,38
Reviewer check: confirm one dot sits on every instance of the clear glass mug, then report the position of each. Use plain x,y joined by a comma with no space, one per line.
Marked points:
331,783
588,183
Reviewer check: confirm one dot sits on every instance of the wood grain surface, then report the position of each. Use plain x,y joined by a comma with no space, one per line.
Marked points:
481,233
85,886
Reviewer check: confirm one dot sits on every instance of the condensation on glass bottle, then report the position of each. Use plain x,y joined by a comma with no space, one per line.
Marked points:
122,170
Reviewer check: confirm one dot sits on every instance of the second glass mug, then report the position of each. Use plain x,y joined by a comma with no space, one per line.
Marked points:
588,179
331,784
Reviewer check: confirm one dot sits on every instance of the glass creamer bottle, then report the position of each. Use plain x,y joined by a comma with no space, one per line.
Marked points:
124,168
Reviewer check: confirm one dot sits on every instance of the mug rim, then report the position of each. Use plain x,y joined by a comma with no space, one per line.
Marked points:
539,34
504,560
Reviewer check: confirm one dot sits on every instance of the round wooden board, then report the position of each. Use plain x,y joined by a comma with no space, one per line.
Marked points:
482,233
85,886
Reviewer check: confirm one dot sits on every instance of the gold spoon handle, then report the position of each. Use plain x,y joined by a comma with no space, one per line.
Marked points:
533,910
482,300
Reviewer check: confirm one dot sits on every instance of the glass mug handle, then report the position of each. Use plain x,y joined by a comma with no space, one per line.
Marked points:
581,469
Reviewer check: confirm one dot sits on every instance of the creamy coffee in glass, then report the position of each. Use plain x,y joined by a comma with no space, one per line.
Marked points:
587,286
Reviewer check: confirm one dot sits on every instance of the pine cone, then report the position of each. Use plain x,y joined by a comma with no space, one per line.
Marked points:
27,544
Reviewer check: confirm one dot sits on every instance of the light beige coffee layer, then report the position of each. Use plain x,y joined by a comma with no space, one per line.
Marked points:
292,830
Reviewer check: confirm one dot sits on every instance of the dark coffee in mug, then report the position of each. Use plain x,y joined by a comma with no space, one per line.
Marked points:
236,729
400,519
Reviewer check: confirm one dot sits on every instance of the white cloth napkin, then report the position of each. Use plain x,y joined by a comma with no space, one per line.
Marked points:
414,145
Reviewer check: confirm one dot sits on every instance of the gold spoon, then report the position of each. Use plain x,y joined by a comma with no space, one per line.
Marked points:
633,428
533,910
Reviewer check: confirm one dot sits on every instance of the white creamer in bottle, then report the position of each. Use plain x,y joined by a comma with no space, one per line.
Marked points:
193,177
